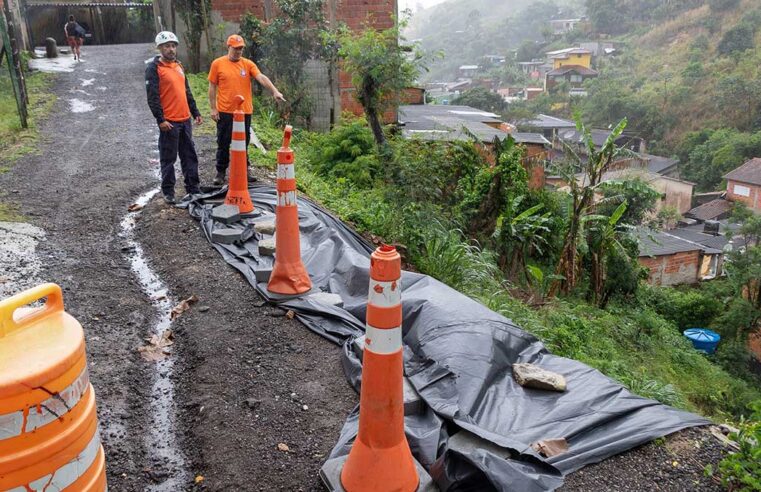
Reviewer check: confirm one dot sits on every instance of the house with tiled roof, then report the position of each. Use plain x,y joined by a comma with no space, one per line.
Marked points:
744,184
575,75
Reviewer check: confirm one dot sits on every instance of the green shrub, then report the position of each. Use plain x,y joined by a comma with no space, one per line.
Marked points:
348,152
684,309
741,470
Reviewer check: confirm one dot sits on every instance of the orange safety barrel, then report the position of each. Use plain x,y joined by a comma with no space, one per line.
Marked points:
49,436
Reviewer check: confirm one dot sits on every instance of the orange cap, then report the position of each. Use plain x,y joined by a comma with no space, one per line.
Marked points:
236,41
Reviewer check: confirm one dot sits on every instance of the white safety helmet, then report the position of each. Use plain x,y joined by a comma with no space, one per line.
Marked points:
166,37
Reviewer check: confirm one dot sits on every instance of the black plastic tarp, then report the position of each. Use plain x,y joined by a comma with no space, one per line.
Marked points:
458,356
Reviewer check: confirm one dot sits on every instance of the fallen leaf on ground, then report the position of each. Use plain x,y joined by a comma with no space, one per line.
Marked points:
283,447
290,314
199,479
183,306
134,207
156,350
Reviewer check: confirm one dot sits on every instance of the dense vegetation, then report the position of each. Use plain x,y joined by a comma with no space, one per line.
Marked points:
427,197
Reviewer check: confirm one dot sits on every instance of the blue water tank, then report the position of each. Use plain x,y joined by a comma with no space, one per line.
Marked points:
703,339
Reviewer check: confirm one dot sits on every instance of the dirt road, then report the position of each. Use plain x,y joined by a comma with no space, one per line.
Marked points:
244,378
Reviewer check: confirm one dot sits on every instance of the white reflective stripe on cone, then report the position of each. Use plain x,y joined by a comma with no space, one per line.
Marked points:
286,198
238,126
71,471
383,342
12,424
238,145
286,171
385,294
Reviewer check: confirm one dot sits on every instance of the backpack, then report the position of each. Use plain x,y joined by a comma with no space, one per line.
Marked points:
74,29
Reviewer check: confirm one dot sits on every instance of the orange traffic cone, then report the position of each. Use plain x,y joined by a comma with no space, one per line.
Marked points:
237,192
380,458
288,273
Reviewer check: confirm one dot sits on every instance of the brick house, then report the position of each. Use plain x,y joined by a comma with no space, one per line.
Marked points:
673,260
744,184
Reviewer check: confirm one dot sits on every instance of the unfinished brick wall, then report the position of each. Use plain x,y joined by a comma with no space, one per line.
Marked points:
679,268
356,14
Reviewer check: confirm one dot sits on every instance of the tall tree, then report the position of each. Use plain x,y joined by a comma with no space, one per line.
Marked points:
381,69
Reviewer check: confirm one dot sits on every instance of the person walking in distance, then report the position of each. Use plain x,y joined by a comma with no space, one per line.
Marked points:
172,104
230,75
75,35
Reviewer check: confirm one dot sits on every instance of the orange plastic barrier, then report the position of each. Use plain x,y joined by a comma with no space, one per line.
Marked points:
380,458
288,273
237,192
49,436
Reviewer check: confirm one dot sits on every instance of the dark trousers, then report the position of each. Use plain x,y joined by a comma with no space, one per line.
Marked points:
178,140
225,136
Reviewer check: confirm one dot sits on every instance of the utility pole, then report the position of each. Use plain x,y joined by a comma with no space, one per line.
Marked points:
7,36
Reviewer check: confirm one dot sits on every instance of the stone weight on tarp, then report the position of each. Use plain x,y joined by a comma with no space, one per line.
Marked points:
267,246
265,227
533,376
226,214
51,48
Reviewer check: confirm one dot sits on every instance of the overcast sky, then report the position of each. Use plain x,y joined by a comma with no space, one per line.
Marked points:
412,4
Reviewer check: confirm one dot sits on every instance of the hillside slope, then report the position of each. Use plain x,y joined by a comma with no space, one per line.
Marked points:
462,31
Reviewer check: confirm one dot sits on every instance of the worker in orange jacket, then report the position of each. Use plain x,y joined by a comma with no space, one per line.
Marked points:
230,75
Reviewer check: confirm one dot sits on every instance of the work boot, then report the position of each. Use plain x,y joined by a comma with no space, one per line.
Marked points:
220,178
250,175
169,199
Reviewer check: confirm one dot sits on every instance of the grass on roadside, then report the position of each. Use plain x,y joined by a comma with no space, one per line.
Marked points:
14,140
10,213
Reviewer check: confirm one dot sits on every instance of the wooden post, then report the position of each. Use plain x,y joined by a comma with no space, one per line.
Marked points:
14,67
209,48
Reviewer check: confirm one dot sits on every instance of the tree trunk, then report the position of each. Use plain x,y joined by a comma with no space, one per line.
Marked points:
375,125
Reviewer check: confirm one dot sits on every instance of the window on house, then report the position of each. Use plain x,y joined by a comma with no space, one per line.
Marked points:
576,78
741,190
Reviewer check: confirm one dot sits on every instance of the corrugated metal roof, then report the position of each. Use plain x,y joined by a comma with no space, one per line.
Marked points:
699,237
448,123
418,112
750,172
717,208
652,243
546,121
658,164
532,138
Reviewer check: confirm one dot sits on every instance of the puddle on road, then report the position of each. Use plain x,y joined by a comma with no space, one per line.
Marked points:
63,63
161,442
86,82
79,106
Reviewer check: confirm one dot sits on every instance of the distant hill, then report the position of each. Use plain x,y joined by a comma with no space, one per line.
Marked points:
465,30
695,68
686,74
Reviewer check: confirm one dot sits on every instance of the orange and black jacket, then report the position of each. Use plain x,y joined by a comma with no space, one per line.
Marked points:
154,97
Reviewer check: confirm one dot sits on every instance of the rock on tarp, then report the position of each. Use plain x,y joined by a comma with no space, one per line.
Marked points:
458,355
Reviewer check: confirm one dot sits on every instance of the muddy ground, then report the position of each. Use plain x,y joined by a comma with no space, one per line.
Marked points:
245,377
